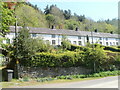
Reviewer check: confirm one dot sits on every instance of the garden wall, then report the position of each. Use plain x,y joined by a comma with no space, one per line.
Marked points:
51,72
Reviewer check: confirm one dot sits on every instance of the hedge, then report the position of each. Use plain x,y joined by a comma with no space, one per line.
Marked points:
113,49
67,59
84,48
85,57
110,48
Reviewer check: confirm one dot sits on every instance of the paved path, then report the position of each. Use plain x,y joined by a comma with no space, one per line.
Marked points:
107,82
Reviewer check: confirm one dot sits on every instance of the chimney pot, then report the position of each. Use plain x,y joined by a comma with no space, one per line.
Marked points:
77,29
53,27
96,30
111,32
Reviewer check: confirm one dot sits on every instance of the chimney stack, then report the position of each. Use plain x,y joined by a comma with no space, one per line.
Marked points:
53,27
111,32
76,29
96,30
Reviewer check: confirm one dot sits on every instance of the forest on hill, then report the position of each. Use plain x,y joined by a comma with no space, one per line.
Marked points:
32,16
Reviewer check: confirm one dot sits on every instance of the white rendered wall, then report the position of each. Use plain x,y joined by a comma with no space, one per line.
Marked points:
58,39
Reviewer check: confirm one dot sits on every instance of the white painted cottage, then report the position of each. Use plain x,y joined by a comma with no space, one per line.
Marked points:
77,37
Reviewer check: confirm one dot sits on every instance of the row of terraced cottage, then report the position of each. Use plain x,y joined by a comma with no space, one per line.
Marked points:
77,37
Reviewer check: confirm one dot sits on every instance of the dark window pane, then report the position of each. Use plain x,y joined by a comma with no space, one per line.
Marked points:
100,42
79,42
53,42
106,39
116,43
34,35
79,37
100,38
74,42
53,36
107,43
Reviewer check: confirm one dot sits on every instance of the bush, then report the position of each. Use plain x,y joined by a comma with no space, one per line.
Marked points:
95,58
100,74
44,79
67,59
113,49
82,48
71,77
25,79
92,58
110,48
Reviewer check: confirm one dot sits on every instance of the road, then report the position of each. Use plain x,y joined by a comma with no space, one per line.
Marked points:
107,82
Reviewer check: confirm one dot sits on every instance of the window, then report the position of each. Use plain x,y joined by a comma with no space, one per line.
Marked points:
53,42
101,43
106,39
107,43
100,38
110,43
79,37
113,43
34,35
79,43
74,42
116,39
53,36
116,43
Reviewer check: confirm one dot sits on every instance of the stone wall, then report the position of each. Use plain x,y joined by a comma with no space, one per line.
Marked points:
51,72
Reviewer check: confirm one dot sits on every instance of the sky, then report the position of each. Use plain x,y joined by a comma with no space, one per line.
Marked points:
93,9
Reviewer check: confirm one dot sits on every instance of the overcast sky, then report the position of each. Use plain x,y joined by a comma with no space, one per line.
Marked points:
94,9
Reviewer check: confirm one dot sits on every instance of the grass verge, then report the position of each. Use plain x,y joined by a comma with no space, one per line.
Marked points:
26,81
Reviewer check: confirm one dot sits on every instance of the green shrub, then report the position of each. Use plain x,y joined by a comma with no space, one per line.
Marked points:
92,58
25,79
61,77
96,75
111,48
82,76
66,59
74,47
70,77
44,79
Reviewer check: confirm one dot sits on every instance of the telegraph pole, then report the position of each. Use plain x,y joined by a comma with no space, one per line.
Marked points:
94,69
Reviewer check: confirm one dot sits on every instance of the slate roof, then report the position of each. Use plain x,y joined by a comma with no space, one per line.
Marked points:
65,32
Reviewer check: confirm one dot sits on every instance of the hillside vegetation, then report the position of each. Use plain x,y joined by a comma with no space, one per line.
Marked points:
62,19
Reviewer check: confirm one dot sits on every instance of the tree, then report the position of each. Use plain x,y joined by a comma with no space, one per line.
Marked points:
55,11
1,41
81,18
67,14
47,10
7,18
24,46
51,19
95,58
71,24
65,43
30,16
42,45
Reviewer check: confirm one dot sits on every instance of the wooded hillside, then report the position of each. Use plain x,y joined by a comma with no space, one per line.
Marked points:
62,19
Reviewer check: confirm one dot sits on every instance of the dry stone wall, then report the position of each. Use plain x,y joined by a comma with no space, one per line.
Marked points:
36,72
